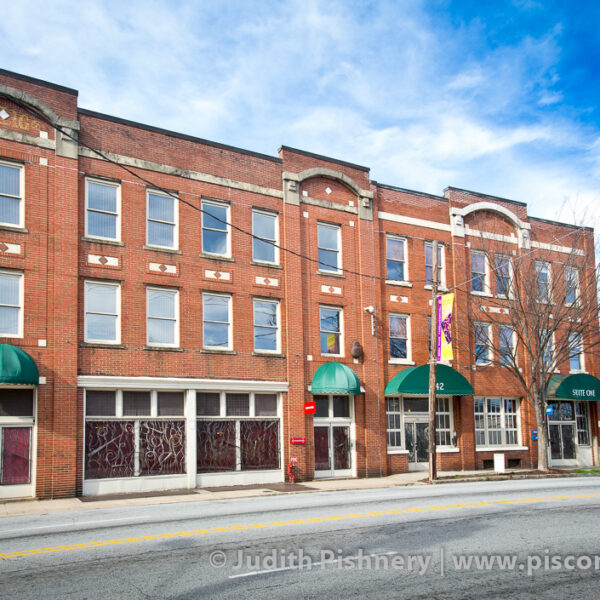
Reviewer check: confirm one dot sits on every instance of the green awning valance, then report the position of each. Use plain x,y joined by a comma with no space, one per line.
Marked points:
415,381
579,386
335,378
17,367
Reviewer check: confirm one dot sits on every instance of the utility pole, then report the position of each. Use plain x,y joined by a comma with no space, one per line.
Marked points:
432,364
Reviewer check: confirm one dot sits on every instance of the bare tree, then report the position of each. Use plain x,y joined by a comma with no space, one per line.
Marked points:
539,314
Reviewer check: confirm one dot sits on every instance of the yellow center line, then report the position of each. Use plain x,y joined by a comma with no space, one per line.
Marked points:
379,513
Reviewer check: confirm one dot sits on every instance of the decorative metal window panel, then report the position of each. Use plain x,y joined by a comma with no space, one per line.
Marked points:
109,449
259,445
216,450
162,447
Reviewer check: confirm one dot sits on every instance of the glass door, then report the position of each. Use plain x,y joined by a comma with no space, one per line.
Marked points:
333,436
416,435
561,434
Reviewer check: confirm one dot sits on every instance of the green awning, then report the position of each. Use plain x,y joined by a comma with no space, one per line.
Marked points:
335,378
415,381
579,386
17,367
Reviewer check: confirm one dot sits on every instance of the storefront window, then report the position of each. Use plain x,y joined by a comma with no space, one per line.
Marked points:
244,437
496,421
136,436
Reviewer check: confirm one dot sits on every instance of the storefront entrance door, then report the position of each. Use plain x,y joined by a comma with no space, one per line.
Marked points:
417,443
332,451
562,441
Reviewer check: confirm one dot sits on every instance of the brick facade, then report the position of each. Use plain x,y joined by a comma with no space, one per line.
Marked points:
57,258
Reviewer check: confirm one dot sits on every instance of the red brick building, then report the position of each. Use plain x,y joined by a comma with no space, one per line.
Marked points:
150,342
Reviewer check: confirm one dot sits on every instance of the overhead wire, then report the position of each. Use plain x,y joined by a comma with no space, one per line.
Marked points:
178,198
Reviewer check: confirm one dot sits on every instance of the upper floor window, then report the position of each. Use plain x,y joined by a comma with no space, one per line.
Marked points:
331,330
506,345
503,286
399,336
571,285
264,226
162,220
575,352
11,304
162,317
396,258
542,271
266,325
216,321
429,264
482,343
479,282
215,228
11,195
102,305
329,247
103,208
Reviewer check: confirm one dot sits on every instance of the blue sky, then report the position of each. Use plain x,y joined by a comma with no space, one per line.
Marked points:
497,96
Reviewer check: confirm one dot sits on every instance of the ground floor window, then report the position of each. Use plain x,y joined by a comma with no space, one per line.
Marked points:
406,419
16,427
237,432
496,421
134,433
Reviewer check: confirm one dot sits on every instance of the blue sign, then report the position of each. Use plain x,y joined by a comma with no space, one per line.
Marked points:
550,410
534,432
534,435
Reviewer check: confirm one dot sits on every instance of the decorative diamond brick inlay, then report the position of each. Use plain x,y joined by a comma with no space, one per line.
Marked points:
162,268
331,289
267,281
217,275
3,247
103,260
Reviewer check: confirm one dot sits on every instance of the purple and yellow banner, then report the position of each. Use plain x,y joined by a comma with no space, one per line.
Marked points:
444,329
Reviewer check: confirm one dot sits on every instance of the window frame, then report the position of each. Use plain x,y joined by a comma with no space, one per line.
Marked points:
20,197
118,208
580,354
229,298
512,346
575,289
488,345
441,265
340,333
106,283
502,416
338,250
174,224
275,217
227,232
548,269
21,305
395,359
277,327
508,294
175,293
403,262
486,273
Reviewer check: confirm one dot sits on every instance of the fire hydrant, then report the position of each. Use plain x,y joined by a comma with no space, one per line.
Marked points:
291,469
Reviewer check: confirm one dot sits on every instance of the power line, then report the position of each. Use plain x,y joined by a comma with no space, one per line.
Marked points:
155,186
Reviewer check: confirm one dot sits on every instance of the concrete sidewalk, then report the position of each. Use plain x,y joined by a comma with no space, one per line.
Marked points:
11,508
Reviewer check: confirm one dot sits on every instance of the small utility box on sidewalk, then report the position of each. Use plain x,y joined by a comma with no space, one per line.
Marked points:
499,465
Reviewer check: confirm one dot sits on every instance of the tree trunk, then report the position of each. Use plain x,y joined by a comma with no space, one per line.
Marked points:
542,433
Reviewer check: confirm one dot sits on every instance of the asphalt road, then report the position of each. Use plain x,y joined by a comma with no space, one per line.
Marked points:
526,539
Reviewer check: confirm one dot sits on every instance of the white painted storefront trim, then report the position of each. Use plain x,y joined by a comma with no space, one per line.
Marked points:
238,478
179,383
131,485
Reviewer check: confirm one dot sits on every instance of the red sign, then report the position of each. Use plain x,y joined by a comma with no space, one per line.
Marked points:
293,459
297,440
310,408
